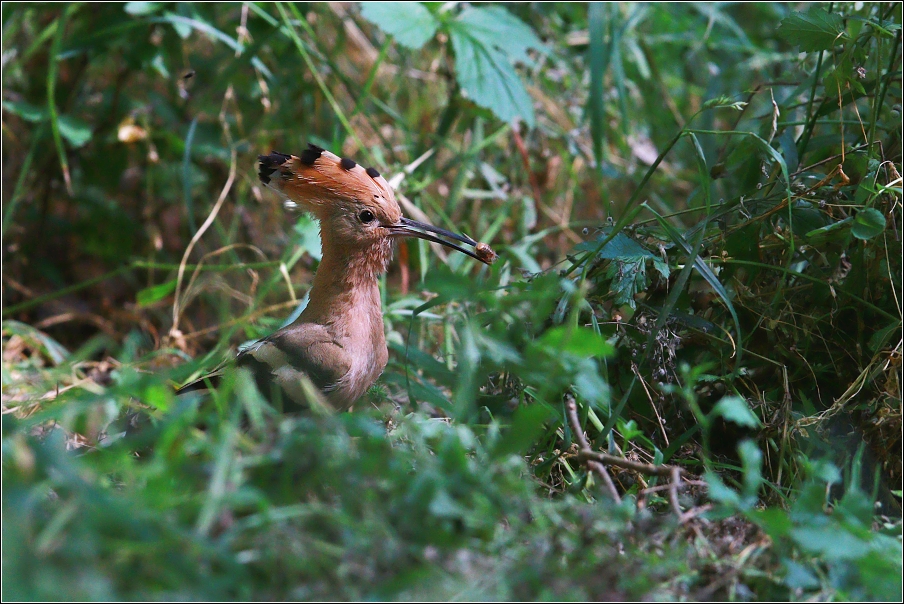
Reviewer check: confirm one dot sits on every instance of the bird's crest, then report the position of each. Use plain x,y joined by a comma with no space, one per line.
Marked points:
319,177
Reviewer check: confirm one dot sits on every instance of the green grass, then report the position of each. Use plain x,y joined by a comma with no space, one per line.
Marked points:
697,209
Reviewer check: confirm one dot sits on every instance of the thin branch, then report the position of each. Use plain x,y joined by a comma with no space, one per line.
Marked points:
597,461
571,409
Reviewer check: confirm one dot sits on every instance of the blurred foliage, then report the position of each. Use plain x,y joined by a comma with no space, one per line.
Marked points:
698,213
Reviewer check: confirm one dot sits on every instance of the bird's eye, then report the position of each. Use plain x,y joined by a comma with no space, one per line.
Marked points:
366,216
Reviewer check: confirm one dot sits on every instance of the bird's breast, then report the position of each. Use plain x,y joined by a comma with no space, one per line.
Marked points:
366,345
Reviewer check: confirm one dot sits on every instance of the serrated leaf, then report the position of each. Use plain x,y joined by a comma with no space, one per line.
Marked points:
814,30
488,79
734,409
486,42
662,267
620,246
495,27
868,223
629,276
410,23
774,521
628,270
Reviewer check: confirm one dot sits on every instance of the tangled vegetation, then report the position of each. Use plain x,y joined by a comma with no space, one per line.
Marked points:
681,380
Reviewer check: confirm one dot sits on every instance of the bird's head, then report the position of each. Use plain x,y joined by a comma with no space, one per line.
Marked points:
356,207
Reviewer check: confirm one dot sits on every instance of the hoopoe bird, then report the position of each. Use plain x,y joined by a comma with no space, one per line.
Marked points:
337,342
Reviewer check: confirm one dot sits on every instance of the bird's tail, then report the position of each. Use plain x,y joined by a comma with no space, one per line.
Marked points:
202,383
205,381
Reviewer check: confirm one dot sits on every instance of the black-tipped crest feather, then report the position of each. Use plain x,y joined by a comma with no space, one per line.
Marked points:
311,154
270,163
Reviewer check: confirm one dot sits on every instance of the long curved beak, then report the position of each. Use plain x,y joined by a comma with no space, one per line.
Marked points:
412,228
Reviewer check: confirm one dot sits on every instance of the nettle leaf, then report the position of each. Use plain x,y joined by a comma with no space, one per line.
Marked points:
628,269
410,23
868,223
628,277
496,27
487,42
814,30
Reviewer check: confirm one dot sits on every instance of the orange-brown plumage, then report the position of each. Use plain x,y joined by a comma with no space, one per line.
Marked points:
319,181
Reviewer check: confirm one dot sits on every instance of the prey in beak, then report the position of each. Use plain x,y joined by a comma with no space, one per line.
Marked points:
412,228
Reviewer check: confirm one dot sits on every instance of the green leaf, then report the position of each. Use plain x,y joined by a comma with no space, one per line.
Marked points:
814,30
143,8
495,27
868,223
410,23
629,276
878,339
752,464
74,130
734,409
444,506
837,231
527,424
621,246
807,218
629,269
774,521
719,491
152,294
486,42
578,341
798,576
829,541
27,111
836,79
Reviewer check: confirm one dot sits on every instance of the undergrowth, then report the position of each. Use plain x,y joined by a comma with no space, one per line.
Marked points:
681,379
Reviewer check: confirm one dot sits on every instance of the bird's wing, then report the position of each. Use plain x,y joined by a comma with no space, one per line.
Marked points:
282,358
305,349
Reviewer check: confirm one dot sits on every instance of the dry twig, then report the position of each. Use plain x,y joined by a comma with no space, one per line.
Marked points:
597,461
